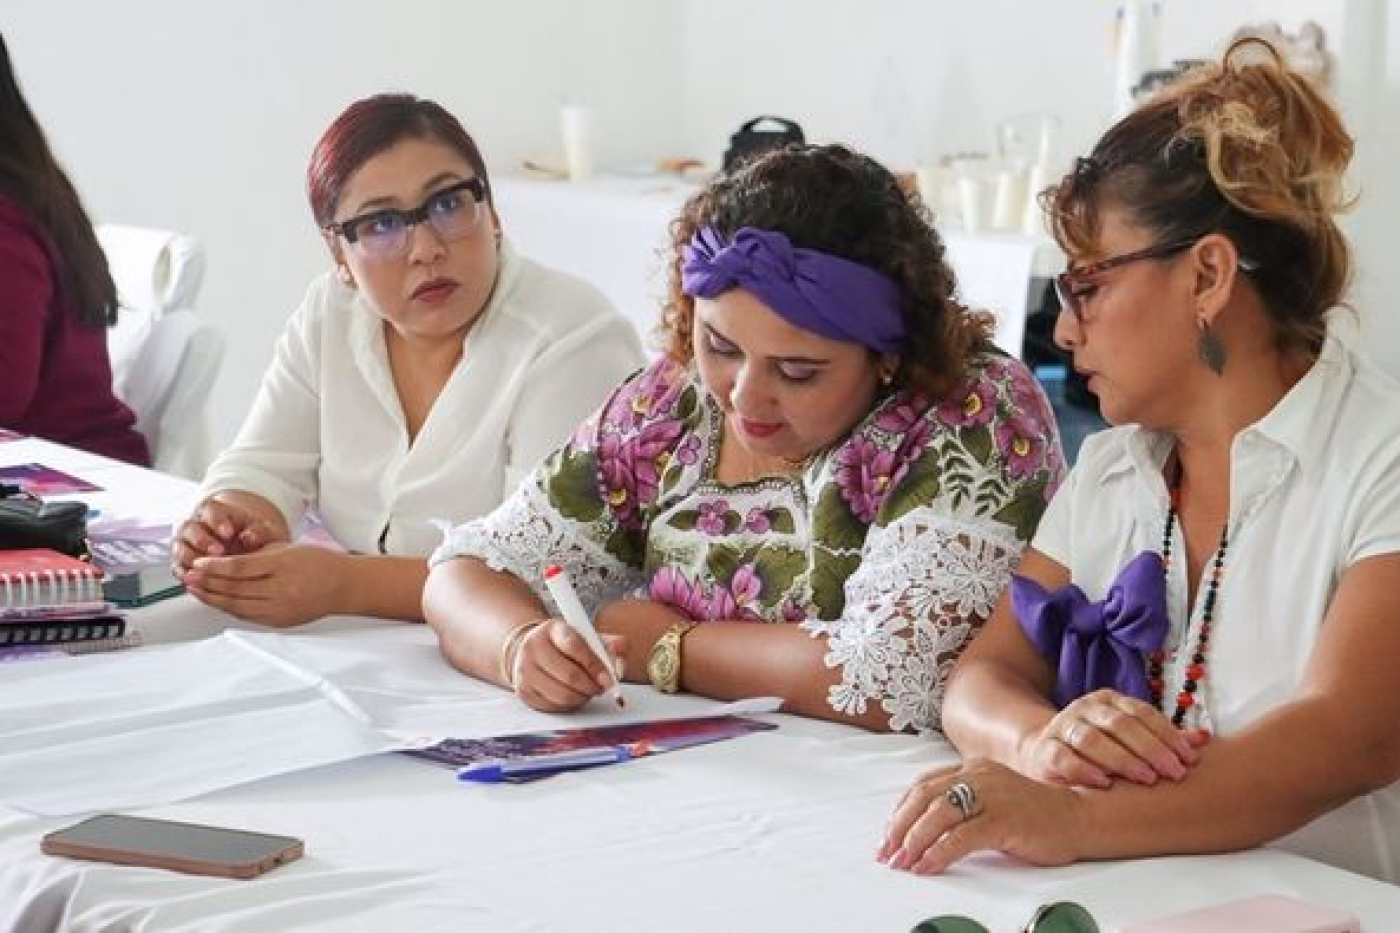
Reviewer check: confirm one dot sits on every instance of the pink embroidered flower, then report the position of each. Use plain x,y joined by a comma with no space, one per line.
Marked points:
670,587
689,451
970,405
745,585
865,474
630,468
711,520
1021,441
757,521
722,606
793,612
902,415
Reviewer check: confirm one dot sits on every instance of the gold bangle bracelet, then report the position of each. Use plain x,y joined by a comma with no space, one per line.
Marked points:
510,647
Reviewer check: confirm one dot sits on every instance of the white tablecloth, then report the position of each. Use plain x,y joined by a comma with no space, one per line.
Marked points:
773,832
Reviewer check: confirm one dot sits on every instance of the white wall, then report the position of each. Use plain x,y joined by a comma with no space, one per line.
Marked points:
200,116
1371,101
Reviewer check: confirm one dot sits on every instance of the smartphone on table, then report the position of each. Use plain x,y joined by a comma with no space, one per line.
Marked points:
192,848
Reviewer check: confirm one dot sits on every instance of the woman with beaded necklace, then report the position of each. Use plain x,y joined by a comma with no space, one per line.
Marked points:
1199,652
818,492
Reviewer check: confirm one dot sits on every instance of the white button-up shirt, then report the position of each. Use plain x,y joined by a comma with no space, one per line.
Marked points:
1314,488
327,428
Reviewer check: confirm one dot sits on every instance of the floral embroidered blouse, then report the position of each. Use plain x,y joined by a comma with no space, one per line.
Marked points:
893,544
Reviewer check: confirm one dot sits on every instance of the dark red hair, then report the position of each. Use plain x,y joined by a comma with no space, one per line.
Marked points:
368,127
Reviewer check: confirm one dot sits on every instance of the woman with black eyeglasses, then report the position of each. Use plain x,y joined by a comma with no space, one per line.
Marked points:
1200,651
420,379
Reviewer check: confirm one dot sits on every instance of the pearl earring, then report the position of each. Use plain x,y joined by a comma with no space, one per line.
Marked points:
342,272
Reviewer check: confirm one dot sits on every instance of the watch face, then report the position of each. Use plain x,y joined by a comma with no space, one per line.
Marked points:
661,666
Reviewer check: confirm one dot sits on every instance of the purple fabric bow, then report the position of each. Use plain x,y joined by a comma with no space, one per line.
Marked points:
1101,644
825,294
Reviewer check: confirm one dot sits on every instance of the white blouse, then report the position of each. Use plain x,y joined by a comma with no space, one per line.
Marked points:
327,428
1314,488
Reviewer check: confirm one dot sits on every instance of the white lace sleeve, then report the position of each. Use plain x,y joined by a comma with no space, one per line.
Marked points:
526,534
925,585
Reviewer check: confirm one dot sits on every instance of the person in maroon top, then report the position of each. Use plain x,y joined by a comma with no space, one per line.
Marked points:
57,298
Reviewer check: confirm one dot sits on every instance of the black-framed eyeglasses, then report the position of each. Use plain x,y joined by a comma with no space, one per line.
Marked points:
1059,917
1069,285
385,234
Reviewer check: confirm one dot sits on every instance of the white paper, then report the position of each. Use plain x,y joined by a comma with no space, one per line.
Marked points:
139,728
147,727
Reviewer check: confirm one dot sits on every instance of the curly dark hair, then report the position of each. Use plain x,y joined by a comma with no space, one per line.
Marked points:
837,201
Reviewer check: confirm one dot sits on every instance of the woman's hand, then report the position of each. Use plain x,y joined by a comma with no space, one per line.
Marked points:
554,671
1001,810
217,529
1105,735
641,623
279,584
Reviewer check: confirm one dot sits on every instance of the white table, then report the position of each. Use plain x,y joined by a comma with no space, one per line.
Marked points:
613,232
773,832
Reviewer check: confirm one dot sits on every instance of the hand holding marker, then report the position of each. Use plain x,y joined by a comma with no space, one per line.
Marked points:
577,619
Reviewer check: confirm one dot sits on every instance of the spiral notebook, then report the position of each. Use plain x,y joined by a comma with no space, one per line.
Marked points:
38,580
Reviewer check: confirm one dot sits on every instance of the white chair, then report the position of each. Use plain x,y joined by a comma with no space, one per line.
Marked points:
164,358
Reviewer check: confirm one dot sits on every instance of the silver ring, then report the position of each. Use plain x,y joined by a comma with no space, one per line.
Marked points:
962,796
1072,733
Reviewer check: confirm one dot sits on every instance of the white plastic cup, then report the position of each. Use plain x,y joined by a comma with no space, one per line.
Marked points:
1009,199
576,128
1033,220
972,203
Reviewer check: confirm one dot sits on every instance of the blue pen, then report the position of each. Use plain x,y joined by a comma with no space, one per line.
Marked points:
500,770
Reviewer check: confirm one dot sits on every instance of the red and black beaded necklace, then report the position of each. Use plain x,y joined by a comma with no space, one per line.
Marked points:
1196,669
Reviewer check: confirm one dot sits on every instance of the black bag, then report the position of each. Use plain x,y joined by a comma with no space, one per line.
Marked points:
750,141
26,522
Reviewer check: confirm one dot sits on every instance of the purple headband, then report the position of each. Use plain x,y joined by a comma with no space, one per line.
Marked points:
815,291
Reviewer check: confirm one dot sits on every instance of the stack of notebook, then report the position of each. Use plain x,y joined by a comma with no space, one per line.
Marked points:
50,599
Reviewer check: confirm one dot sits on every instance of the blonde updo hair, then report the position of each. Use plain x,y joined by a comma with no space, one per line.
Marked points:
1247,148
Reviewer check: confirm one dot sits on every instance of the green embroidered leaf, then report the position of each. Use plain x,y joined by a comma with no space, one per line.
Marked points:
833,523
829,575
687,404
625,545
978,442
781,520
778,568
573,488
920,486
1024,510
732,522
722,560
684,520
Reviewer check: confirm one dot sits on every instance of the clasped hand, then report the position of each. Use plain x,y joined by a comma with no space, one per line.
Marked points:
232,560
1103,736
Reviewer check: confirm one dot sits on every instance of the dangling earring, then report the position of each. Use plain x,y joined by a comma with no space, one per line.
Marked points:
1210,348
886,376
342,272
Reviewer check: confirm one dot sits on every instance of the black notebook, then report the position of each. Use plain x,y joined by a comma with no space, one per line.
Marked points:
14,633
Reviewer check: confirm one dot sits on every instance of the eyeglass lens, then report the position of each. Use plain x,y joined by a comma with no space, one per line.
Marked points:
453,213
1062,917
949,924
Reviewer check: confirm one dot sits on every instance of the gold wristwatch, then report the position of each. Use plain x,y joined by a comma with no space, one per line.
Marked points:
664,662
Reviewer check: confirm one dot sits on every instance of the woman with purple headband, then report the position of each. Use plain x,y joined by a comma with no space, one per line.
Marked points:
817,492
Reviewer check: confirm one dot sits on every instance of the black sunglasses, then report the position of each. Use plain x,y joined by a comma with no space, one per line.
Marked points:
1059,917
